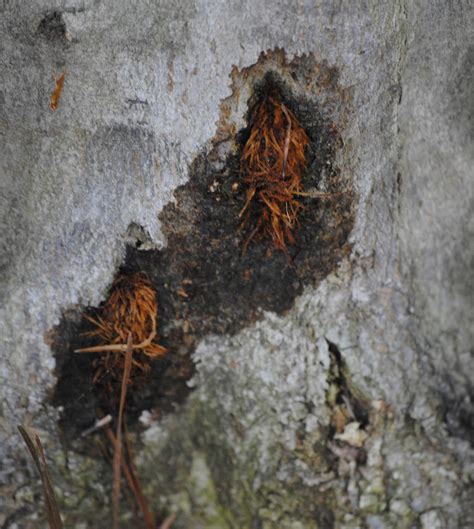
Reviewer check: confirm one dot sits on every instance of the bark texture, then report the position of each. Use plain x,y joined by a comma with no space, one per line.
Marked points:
387,333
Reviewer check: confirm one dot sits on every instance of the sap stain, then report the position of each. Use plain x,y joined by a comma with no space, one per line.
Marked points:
204,283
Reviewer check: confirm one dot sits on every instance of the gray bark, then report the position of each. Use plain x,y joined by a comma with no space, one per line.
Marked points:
143,94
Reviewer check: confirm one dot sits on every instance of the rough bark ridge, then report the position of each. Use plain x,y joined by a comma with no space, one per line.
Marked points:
131,170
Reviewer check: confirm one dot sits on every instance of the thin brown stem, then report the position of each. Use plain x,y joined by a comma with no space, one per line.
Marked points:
138,489
287,142
117,347
168,522
118,443
134,485
37,453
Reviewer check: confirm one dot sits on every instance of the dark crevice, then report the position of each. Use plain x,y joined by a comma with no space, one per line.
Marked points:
346,395
458,415
325,517
53,27
13,519
137,236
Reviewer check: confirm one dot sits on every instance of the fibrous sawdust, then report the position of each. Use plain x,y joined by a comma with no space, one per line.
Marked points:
272,163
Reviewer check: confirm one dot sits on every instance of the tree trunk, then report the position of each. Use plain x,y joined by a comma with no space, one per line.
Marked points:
325,385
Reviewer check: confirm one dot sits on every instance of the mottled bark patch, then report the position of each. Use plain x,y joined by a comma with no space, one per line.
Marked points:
205,283
53,27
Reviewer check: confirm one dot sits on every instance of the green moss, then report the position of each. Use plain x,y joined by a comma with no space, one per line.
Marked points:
199,500
274,504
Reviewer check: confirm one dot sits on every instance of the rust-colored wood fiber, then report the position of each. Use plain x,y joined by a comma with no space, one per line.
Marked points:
272,164
131,308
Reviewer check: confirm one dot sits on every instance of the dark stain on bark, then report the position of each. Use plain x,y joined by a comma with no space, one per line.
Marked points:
458,413
53,27
204,284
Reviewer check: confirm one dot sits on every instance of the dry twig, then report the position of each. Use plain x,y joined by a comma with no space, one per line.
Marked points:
118,436
133,482
168,522
37,453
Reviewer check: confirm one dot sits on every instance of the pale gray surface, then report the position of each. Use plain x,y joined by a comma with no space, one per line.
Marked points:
400,309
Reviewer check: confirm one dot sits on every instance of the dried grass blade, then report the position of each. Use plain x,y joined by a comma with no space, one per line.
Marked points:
118,443
137,489
134,485
118,347
250,195
37,453
287,141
